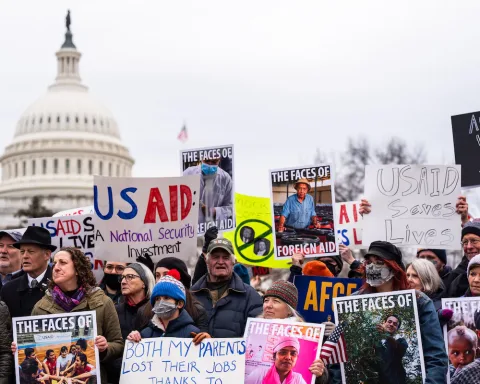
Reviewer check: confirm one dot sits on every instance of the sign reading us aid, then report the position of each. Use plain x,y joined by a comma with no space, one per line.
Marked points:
316,294
153,216
413,205
253,238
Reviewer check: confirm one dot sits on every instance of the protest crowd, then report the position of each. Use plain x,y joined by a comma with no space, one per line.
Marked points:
400,316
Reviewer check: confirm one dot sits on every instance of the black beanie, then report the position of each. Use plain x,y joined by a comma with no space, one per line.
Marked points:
387,251
440,253
180,266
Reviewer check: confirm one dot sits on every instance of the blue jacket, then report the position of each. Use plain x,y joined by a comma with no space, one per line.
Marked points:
433,345
182,326
229,316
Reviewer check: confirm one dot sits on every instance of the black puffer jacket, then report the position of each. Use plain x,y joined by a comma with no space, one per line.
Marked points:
457,282
132,317
6,357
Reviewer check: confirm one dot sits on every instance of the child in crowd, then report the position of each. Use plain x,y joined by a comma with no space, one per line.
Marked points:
462,344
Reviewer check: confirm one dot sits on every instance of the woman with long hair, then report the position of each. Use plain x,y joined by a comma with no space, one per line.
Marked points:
73,289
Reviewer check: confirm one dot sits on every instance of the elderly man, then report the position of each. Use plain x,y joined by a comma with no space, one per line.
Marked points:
216,191
29,285
10,258
299,210
390,352
229,302
285,355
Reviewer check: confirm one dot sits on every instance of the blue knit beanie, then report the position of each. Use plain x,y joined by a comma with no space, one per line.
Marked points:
242,272
169,286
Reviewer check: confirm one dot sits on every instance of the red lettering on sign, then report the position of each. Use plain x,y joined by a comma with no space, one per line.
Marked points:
185,200
155,204
344,214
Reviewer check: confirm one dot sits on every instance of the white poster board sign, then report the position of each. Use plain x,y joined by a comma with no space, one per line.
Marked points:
174,360
153,216
349,224
413,205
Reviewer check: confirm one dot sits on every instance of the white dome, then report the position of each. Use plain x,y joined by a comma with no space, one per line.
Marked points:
67,108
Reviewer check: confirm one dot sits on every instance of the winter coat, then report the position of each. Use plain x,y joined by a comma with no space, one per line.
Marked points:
108,325
228,317
6,357
116,298
131,317
18,295
445,274
436,297
182,327
457,282
434,355
201,320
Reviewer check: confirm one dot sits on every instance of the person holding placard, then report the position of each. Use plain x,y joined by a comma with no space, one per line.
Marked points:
385,272
73,289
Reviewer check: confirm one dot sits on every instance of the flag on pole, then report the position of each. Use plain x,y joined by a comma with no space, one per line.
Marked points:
183,135
334,349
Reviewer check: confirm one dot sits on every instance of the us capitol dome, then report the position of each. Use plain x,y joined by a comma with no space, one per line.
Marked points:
60,142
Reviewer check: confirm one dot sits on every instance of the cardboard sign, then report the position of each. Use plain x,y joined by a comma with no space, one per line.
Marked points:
253,238
266,339
349,224
171,360
413,205
368,321
306,210
316,294
76,211
460,331
214,165
40,334
153,216
466,143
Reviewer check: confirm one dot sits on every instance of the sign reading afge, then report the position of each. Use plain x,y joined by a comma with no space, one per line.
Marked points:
214,165
412,205
169,360
153,216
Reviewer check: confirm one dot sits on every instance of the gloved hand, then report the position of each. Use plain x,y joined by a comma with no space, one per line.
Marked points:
210,234
198,337
146,260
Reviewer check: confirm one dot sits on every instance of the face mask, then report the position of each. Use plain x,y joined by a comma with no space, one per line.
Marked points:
377,274
164,309
208,170
111,281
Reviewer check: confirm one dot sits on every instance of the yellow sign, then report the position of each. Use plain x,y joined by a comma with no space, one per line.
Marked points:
253,239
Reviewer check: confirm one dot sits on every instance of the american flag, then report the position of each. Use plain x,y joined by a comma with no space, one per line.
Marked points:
183,135
334,349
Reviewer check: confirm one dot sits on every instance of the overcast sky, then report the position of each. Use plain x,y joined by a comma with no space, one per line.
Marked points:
278,79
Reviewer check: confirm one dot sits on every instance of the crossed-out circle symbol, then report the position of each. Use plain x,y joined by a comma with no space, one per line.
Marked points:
261,236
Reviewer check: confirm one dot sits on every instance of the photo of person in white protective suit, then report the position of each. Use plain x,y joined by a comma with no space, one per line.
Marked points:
216,191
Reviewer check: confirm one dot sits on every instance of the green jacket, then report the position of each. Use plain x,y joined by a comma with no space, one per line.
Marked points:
108,325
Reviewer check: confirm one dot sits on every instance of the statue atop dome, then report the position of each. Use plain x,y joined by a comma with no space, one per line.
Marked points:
68,21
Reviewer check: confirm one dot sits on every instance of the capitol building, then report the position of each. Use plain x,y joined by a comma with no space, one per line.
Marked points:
60,142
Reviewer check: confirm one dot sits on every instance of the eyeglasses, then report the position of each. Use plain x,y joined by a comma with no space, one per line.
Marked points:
474,242
128,277
117,268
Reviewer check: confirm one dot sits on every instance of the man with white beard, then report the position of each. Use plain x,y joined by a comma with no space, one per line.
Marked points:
10,257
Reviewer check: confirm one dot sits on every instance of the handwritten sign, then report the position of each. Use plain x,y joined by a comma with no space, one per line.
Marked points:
153,216
76,211
466,143
316,294
366,321
253,217
413,205
349,224
214,165
172,360
303,202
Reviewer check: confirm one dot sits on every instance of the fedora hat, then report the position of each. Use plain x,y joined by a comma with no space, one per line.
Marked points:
303,181
38,236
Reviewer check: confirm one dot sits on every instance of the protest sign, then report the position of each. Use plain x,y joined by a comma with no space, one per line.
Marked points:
466,143
461,332
76,231
373,327
41,340
168,360
349,224
316,294
307,225
138,216
214,165
413,205
76,211
269,340
253,239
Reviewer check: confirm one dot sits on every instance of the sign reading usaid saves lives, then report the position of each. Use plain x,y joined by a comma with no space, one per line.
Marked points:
153,216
